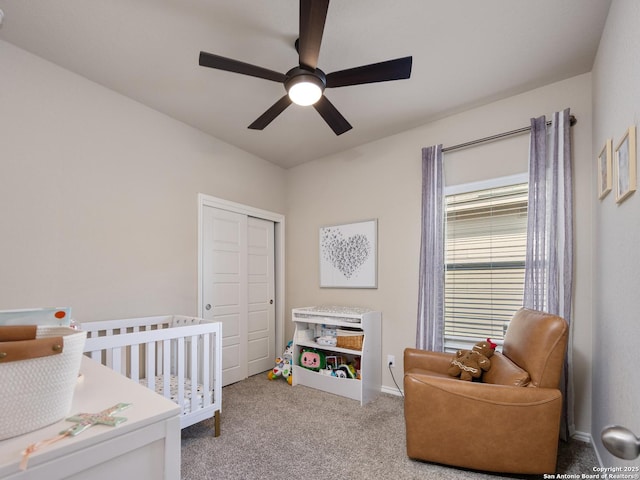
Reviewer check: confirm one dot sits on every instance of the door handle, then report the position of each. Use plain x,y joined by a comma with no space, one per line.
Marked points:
621,442
207,306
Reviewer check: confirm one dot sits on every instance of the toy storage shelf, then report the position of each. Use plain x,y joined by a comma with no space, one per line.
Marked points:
357,319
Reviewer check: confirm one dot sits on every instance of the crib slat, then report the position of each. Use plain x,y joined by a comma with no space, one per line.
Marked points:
180,372
205,356
135,363
109,352
116,359
166,369
193,372
159,357
150,365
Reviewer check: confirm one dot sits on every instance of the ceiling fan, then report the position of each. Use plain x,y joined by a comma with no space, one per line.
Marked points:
305,83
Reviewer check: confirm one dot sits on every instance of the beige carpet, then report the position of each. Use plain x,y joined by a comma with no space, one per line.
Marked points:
271,430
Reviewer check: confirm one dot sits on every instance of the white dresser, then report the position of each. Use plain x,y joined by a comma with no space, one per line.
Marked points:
145,447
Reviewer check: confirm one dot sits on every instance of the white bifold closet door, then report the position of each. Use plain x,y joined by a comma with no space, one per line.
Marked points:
238,290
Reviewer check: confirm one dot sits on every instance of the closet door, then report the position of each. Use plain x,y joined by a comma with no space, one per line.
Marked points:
238,289
261,318
224,279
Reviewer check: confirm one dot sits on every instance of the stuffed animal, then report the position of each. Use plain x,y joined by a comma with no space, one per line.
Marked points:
313,359
348,370
469,364
283,365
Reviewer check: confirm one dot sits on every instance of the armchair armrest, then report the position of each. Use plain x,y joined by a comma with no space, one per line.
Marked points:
437,362
490,394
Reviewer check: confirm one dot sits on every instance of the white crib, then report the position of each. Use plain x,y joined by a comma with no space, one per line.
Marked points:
179,357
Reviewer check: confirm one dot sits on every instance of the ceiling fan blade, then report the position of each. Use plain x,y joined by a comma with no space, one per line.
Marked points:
230,65
332,116
313,14
397,69
267,117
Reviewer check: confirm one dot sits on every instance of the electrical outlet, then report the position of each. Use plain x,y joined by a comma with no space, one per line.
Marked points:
391,360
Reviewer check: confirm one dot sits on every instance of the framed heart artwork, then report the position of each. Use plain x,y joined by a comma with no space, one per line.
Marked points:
348,255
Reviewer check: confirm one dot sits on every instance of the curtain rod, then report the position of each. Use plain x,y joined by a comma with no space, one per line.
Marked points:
572,122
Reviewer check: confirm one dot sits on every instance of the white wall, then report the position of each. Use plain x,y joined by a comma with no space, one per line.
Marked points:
98,195
383,180
616,234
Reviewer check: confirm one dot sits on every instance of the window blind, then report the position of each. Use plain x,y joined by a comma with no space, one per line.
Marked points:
486,233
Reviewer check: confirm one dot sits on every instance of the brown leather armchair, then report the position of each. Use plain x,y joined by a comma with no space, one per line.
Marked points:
507,423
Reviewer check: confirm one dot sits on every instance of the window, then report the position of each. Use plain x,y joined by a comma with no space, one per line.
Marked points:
485,245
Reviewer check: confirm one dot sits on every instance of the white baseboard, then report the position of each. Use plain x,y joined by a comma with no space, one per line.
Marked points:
391,390
583,437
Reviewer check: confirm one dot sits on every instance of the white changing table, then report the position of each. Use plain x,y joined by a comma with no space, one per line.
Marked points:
145,447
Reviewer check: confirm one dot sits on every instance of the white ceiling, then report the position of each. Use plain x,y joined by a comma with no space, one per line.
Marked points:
465,53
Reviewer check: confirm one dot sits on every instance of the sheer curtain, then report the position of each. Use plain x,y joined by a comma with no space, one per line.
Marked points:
430,329
549,262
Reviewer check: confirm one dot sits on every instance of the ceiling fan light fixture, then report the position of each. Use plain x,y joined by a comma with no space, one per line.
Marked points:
304,89
305,93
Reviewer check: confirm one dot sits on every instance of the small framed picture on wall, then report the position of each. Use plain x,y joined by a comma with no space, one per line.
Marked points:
604,170
625,165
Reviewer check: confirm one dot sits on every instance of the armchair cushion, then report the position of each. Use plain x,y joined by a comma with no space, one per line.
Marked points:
537,342
504,372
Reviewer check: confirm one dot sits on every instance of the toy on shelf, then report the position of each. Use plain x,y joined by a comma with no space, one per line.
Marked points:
313,359
283,365
338,366
345,371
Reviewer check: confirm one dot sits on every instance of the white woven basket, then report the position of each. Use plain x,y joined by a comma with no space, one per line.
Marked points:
38,392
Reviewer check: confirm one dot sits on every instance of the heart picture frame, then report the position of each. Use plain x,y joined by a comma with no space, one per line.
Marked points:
348,255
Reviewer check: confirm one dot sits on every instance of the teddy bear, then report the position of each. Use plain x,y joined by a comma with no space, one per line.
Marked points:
469,364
